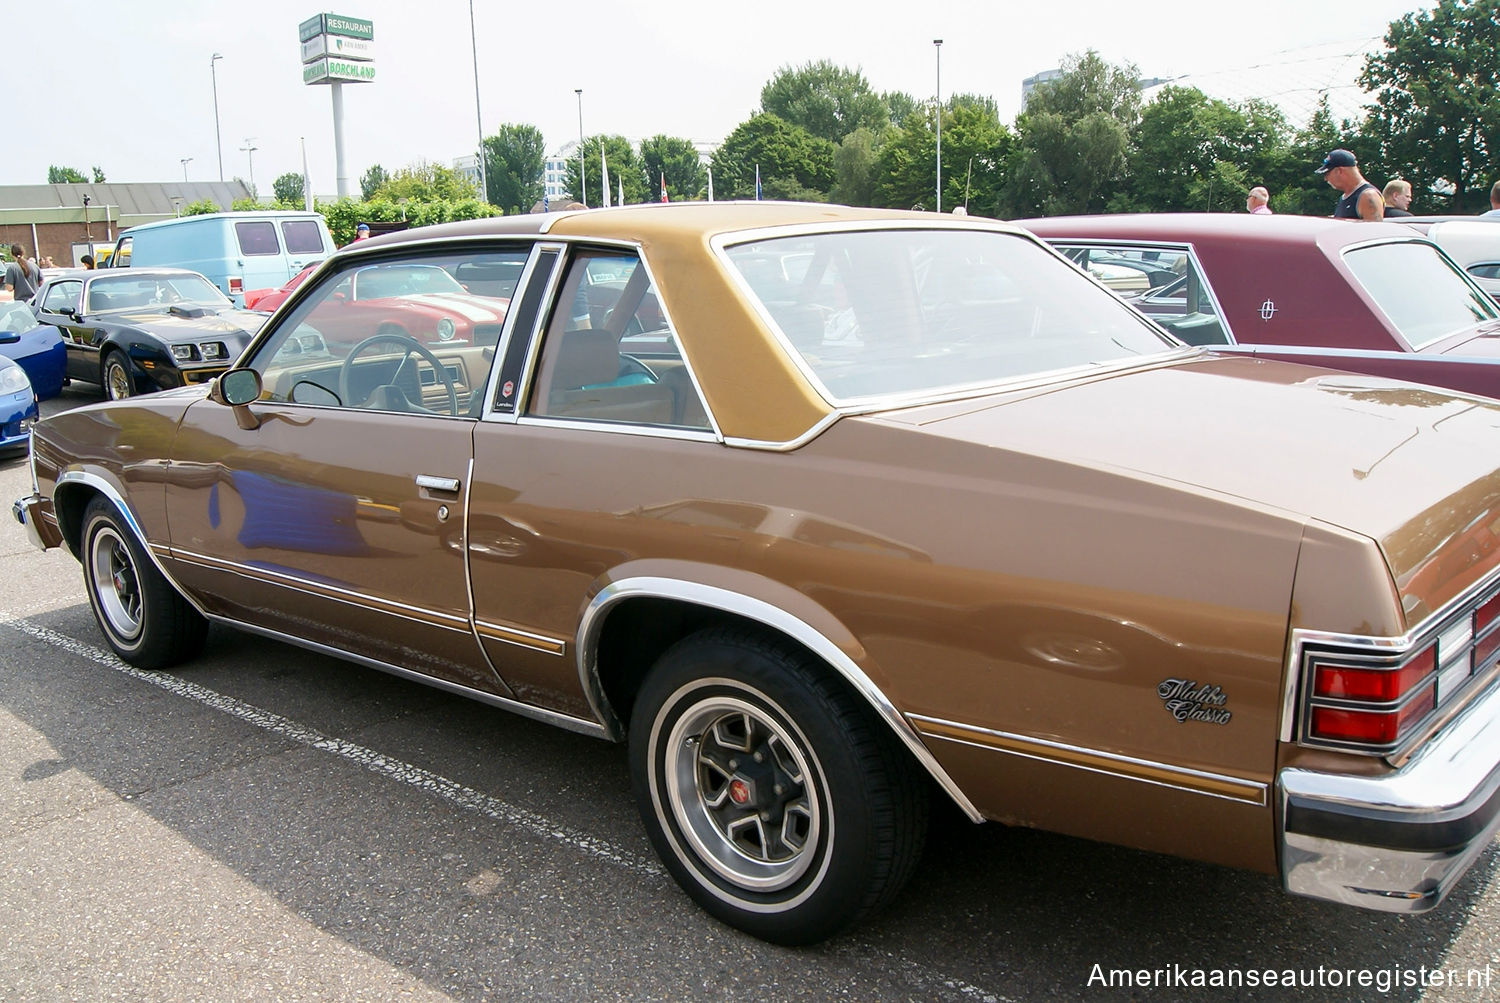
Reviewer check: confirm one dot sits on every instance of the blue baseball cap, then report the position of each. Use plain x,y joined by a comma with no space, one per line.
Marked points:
362,226
1337,158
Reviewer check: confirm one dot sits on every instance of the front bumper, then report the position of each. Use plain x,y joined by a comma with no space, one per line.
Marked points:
1399,842
35,513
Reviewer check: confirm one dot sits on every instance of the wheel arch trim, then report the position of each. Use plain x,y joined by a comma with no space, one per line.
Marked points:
788,624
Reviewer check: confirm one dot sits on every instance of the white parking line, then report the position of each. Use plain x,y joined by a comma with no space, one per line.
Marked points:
919,975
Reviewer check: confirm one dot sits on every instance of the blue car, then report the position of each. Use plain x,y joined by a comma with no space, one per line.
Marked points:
36,346
17,406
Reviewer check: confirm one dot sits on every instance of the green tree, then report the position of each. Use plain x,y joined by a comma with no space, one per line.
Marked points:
1190,152
624,172
426,182
676,159
793,163
1071,141
98,173
200,208
828,101
900,106
1437,100
514,158
975,146
371,180
65,176
854,168
288,188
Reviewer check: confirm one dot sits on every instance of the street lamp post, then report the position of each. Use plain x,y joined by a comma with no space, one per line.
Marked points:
484,185
583,181
218,143
250,149
185,161
937,47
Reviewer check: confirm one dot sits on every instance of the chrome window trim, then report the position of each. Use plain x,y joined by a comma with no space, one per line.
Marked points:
1461,272
1190,248
592,623
720,244
1294,700
622,428
543,714
508,330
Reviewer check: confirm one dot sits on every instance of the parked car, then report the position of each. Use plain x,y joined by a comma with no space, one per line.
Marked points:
37,347
943,517
1373,298
144,329
18,406
1472,241
403,299
235,250
267,300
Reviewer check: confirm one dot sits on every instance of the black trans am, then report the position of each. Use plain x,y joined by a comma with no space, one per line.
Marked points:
144,329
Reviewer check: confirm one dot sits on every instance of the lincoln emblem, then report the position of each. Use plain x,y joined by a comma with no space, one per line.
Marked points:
1267,310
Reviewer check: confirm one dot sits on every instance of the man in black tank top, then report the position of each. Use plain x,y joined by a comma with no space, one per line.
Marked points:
1361,200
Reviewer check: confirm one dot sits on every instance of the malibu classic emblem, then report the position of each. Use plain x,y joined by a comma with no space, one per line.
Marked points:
1187,701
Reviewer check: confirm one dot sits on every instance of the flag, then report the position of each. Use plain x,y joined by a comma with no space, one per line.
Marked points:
664,188
757,182
620,188
546,206
710,184
604,168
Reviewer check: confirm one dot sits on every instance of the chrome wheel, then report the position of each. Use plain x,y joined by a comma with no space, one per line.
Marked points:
117,583
116,378
742,790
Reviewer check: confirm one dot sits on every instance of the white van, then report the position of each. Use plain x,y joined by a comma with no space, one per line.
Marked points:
235,250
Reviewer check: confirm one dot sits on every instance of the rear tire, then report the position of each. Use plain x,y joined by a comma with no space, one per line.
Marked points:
772,794
144,619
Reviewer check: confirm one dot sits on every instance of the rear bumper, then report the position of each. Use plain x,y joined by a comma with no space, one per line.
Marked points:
35,513
1399,842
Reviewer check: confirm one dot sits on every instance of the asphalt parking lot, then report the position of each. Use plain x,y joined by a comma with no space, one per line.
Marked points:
272,824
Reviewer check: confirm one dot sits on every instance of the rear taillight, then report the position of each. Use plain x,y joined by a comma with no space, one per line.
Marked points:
1373,702
236,285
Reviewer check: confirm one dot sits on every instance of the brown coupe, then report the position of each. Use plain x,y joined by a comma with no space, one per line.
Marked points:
827,511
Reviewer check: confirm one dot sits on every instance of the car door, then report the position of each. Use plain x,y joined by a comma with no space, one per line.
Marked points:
332,509
61,305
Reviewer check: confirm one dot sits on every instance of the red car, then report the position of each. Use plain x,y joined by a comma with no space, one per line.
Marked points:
267,300
1375,298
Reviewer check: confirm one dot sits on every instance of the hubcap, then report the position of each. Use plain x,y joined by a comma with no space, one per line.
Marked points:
116,585
117,381
744,793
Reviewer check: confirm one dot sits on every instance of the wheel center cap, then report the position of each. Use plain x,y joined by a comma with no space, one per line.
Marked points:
739,791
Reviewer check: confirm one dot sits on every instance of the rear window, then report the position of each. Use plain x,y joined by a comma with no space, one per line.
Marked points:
257,238
1419,291
913,312
302,236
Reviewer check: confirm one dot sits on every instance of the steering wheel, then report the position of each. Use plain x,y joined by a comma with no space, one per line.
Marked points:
409,347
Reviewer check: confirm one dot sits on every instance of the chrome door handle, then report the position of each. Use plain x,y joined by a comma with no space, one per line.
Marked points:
433,483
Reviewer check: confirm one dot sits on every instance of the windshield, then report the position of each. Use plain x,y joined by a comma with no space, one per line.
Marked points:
16,317
132,292
1422,294
898,312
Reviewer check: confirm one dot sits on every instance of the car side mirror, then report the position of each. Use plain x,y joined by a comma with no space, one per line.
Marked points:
9,337
237,389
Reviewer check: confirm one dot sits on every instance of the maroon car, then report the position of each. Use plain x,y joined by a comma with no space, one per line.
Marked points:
1375,298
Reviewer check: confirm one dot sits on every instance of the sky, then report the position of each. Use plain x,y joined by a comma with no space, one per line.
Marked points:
128,86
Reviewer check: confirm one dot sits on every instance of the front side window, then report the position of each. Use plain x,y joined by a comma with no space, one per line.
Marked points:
61,298
1418,290
916,312
1164,283
257,238
302,236
400,335
608,353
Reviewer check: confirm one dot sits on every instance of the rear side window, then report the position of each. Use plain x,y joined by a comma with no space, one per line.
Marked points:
302,236
257,238
1422,294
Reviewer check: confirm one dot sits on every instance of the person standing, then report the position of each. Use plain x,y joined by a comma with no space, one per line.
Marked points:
1361,199
1494,200
1397,196
1255,203
22,275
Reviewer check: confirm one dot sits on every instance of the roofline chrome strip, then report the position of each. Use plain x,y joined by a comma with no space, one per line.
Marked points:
592,624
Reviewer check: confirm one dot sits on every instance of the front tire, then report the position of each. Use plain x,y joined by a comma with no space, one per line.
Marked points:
769,790
144,619
116,376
